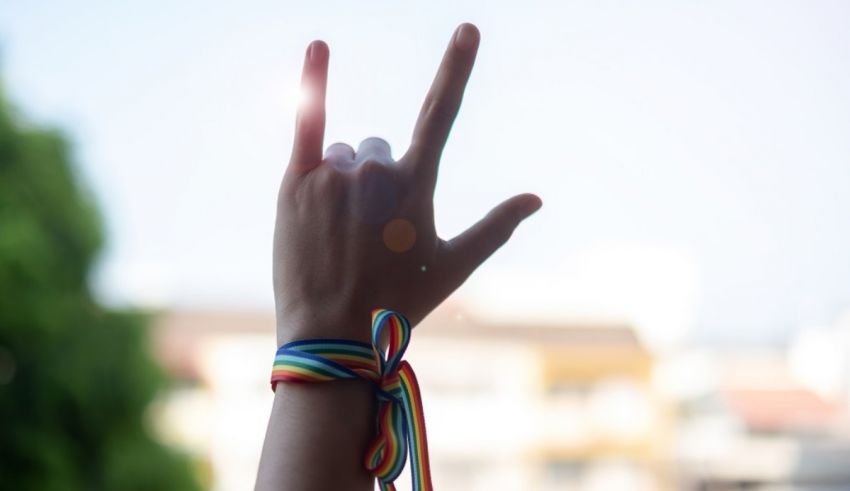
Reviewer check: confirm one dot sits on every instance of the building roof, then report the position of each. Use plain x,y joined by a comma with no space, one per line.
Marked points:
449,321
789,409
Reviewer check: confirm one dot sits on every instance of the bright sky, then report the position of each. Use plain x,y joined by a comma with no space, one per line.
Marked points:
693,157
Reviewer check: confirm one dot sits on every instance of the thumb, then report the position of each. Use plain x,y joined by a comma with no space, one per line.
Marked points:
481,240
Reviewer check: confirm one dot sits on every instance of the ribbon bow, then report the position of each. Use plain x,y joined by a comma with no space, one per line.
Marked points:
400,422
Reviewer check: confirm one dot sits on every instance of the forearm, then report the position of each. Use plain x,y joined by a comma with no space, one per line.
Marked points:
317,437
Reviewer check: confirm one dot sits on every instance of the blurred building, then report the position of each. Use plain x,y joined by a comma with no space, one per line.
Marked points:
760,429
219,407
567,406
542,407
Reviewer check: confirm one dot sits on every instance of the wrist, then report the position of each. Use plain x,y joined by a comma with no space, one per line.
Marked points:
297,326
321,322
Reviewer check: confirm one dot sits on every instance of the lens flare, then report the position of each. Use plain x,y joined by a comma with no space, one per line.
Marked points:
399,235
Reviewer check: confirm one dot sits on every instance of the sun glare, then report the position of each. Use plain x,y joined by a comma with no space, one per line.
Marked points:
296,97
301,97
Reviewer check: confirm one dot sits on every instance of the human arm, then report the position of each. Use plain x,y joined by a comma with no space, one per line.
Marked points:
355,231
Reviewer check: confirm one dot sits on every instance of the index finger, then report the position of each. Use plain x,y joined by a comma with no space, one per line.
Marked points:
443,100
310,122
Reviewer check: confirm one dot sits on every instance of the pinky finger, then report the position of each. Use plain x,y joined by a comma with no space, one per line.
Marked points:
310,122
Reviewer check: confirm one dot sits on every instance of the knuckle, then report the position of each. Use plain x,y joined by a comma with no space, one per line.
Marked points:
375,140
338,151
502,234
339,146
439,108
372,166
501,229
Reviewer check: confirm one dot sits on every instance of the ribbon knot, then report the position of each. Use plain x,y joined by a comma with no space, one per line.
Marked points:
400,421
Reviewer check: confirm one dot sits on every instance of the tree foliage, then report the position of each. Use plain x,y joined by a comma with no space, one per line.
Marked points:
75,377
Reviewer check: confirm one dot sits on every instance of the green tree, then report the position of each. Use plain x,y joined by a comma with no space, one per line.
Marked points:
75,377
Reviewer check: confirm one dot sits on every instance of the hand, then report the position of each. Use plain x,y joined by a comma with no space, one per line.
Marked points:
355,229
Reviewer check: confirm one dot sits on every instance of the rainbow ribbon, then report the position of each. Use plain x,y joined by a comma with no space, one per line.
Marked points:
401,420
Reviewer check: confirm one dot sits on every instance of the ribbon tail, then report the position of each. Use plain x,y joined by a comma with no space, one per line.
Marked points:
420,465
387,454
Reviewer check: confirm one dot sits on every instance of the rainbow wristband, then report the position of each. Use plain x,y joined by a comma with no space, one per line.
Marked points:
400,422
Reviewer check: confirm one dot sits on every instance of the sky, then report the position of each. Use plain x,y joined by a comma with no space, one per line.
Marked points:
693,157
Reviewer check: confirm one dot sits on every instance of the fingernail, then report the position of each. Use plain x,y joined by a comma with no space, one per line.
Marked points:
466,37
316,51
532,205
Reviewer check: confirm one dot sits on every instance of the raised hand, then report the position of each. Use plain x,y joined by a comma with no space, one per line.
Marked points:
355,228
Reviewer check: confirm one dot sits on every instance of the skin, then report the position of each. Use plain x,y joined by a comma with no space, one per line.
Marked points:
355,231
